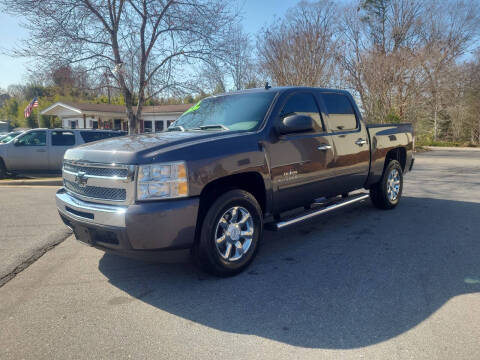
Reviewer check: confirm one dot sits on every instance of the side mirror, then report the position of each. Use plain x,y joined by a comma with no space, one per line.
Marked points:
16,142
296,123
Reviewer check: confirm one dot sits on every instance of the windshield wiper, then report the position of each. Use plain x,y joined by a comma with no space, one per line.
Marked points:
176,128
214,126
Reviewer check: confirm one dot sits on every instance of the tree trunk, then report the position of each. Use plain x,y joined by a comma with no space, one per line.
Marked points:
132,118
132,123
435,120
478,133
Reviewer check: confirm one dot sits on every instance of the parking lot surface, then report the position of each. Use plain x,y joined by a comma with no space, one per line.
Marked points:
357,283
29,223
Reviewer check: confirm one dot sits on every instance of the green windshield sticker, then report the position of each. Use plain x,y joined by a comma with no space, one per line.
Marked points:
193,108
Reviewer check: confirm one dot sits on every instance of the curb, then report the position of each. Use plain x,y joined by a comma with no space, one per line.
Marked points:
452,148
33,182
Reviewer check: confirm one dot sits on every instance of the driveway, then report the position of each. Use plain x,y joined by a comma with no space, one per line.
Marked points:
358,283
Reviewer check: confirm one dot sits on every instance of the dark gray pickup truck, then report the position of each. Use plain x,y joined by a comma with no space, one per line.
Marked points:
229,167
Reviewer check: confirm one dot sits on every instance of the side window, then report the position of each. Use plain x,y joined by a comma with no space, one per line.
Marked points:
63,138
34,138
303,104
341,116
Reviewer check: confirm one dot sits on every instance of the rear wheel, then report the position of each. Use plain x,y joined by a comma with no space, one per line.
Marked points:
230,233
3,170
386,194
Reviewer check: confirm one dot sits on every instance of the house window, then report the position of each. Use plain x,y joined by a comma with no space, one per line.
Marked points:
94,124
147,126
159,126
117,124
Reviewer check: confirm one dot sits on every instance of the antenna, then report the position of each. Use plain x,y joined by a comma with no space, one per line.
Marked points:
267,86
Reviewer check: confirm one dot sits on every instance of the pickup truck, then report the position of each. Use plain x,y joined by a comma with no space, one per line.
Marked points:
229,167
42,150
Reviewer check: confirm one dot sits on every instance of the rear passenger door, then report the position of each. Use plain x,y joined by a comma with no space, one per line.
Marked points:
61,141
301,163
350,141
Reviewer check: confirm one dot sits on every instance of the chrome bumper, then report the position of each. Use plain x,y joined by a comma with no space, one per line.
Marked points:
91,213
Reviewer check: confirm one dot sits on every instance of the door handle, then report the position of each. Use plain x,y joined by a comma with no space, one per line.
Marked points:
361,142
324,147
41,150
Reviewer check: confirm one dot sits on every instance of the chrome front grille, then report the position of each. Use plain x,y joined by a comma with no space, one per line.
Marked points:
95,192
97,171
102,183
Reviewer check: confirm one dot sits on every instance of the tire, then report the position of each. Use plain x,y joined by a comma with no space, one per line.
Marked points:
387,192
224,227
3,170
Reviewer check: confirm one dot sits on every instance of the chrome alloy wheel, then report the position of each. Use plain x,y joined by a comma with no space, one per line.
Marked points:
234,233
393,185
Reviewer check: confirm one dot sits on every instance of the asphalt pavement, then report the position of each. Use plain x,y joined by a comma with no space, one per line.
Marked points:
29,226
357,283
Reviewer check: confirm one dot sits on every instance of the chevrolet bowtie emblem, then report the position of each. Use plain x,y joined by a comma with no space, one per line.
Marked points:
81,179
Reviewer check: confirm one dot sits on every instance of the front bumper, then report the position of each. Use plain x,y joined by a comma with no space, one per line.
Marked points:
133,229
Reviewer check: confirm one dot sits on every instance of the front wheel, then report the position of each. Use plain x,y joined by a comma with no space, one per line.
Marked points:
230,233
386,194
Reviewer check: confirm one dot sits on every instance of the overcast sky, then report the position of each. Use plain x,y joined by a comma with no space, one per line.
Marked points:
257,13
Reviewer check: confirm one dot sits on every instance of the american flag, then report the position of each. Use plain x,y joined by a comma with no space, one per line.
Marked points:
28,110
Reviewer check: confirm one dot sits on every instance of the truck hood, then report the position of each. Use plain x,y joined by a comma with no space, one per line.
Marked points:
140,149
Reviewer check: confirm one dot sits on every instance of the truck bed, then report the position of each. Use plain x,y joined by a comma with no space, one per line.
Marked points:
383,139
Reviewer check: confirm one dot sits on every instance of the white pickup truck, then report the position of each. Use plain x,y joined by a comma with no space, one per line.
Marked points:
42,150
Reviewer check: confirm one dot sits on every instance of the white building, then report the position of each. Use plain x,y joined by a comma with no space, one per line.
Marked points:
108,116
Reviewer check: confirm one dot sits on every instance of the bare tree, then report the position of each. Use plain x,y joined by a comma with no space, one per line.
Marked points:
138,42
398,54
240,59
449,29
298,49
211,77
235,67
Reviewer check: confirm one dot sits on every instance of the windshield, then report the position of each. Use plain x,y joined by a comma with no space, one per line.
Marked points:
9,137
227,112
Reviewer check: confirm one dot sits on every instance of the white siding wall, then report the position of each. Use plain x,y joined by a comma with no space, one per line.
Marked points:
66,122
165,118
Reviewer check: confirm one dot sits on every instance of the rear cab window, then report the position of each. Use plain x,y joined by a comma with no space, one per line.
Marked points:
341,115
90,136
63,138
303,103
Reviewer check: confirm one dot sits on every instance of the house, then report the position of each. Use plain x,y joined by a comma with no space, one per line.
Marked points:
108,116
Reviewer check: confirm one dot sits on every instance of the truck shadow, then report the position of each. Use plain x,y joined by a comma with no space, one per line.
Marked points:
350,279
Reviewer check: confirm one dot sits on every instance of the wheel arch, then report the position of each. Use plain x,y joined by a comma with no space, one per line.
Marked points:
399,154
252,182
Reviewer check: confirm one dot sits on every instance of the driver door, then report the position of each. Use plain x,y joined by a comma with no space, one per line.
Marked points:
29,152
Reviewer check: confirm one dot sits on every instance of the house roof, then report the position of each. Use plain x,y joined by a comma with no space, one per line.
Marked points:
166,108
94,107
120,109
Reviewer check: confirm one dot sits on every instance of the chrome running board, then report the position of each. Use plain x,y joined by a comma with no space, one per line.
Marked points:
278,225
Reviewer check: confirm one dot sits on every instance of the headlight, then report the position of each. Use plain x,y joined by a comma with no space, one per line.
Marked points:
162,181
